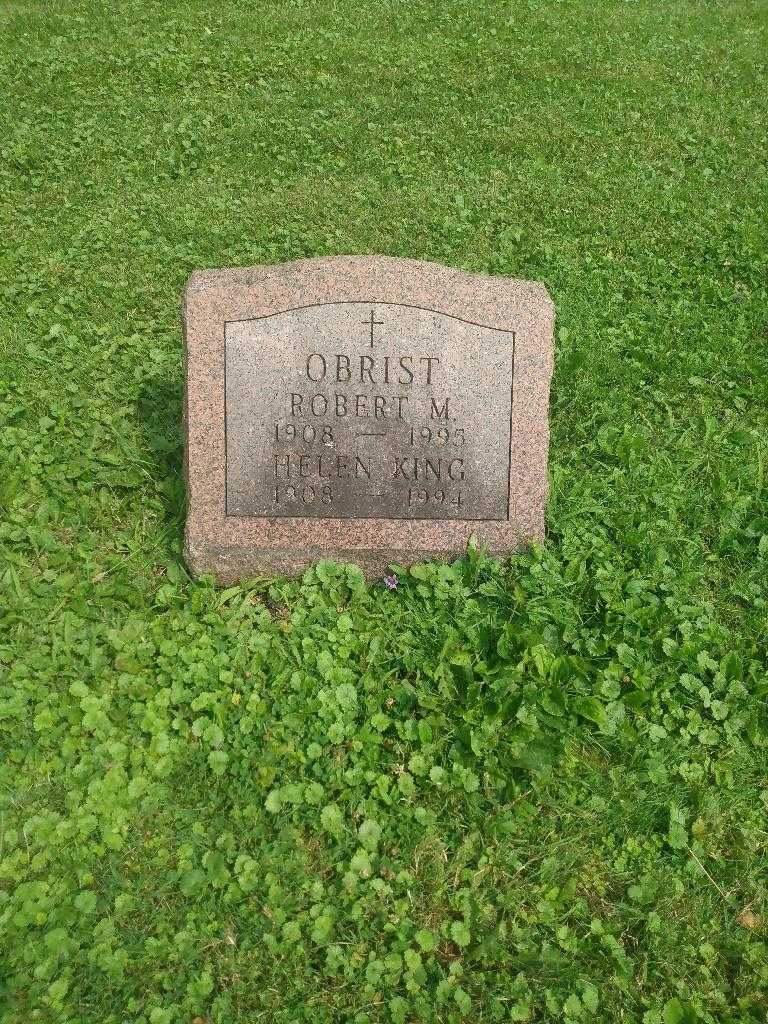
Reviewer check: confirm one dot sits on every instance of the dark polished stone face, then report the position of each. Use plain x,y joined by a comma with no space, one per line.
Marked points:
368,410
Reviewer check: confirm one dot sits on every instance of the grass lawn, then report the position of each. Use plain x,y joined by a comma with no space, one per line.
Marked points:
534,791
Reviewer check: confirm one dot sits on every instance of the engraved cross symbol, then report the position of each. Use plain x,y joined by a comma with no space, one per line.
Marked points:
372,323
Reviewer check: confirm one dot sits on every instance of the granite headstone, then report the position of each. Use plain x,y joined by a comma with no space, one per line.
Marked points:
365,409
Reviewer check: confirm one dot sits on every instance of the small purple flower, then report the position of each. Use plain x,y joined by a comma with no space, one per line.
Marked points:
390,582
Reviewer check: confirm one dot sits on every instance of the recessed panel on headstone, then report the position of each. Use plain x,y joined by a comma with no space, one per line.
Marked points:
368,410
365,409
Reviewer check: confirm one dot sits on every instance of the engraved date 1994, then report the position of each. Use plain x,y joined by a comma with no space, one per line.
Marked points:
420,496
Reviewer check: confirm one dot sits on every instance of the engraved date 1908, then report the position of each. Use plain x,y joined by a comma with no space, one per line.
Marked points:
306,495
309,433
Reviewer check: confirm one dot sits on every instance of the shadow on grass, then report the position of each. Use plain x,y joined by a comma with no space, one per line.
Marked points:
160,424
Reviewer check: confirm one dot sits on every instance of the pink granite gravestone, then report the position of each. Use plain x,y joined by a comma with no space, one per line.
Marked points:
364,409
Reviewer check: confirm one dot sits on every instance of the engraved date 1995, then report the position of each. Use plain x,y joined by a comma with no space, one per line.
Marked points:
439,436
